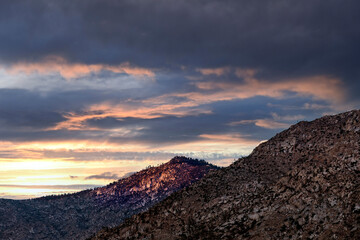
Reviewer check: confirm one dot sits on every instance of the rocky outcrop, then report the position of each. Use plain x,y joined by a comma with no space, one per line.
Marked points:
301,184
77,216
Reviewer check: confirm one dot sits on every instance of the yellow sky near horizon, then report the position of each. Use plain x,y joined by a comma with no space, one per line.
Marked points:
29,176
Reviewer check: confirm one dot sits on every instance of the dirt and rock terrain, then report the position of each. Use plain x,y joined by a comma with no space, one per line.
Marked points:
304,183
77,216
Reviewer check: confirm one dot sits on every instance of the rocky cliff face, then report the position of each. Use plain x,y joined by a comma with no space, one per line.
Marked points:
302,184
76,216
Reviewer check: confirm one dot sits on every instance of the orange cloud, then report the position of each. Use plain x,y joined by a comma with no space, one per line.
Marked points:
213,71
149,109
74,70
274,123
319,87
264,123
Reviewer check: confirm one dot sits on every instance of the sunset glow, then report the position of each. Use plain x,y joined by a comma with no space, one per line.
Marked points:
92,89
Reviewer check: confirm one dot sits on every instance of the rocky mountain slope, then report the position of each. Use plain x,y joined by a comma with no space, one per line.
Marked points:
77,216
304,183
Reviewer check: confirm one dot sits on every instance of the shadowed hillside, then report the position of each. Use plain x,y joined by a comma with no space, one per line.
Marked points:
301,184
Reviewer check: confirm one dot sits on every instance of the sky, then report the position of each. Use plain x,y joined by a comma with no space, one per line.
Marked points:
91,91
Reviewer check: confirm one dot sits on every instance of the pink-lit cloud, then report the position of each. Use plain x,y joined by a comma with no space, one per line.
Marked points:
264,123
54,64
149,109
319,87
214,71
276,122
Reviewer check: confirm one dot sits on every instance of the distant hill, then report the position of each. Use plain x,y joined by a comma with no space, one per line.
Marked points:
78,215
304,183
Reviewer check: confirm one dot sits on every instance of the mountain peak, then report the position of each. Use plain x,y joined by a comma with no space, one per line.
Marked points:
154,181
191,161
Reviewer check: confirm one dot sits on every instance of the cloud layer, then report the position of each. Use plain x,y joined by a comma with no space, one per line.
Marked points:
283,38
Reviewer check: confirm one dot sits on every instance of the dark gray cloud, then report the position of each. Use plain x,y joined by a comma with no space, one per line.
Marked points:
282,38
20,108
105,175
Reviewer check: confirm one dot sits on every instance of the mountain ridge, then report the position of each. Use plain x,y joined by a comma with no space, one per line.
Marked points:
80,214
301,184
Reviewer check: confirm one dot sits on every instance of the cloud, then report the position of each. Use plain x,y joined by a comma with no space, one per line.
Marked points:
276,122
213,71
68,187
24,109
274,37
227,138
126,175
113,117
318,87
105,175
264,123
73,70
121,113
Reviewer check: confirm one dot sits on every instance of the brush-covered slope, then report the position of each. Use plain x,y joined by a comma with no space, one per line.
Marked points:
76,216
301,184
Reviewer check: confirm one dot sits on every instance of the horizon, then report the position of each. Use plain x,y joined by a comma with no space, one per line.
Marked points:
48,190
91,91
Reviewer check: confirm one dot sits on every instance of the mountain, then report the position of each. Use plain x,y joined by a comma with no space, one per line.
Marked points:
301,184
77,216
